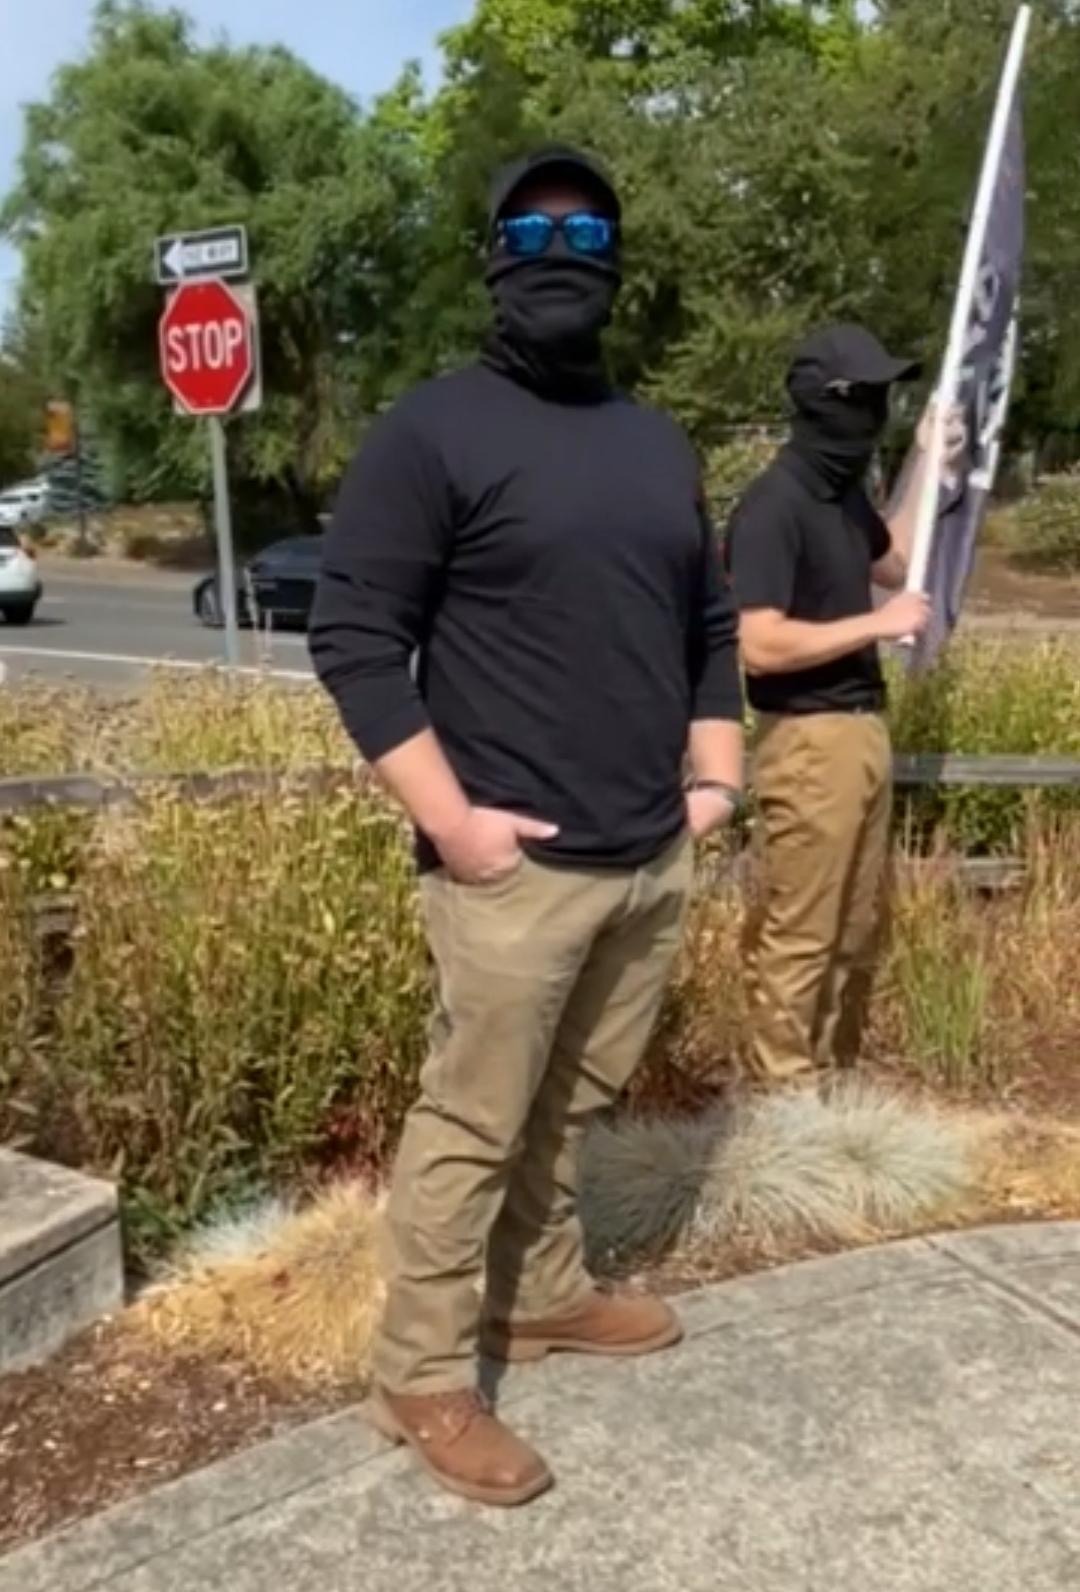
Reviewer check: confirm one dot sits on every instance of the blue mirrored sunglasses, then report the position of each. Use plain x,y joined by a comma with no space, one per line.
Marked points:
530,235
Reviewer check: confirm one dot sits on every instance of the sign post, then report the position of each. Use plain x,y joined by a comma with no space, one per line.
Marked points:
223,531
208,345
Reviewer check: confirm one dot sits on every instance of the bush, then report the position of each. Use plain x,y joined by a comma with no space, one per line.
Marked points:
940,982
972,992
1044,528
248,990
206,1000
247,997
986,698
731,466
20,1004
989,698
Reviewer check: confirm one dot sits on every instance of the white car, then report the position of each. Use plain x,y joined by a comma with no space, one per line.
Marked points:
25,504
20,583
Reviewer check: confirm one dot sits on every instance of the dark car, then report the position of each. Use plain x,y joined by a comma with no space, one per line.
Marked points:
281,581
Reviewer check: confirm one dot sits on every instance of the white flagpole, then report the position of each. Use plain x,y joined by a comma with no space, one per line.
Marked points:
926,523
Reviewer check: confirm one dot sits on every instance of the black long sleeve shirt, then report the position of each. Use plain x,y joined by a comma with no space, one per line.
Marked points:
553,569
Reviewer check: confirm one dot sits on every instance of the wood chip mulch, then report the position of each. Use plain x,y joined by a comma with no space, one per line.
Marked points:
109,1418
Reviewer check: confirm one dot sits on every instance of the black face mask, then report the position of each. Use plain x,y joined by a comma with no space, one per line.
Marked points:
837,433
549,313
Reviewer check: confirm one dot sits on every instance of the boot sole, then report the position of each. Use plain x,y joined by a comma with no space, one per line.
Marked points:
525,1351
387,1426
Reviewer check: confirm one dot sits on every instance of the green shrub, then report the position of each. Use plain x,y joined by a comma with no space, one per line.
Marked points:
20,1006
45,848
730,467
941,980
989,698
248,983
245,990
1043,531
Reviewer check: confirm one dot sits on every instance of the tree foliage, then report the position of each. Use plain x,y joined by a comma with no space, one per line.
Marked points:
152,134
22,412
782,162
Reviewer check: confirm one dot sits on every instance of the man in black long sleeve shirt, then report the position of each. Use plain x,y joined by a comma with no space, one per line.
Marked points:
539,543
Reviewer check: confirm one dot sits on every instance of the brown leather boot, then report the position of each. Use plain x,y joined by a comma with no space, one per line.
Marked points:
607,1323
462,1445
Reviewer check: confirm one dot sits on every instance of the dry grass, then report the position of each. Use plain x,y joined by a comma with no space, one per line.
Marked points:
1030,1167
246,994
975,995
990,697
248,990
178,724
295,1296
245,989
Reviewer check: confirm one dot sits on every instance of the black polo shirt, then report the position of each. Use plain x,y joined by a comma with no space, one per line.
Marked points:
793,544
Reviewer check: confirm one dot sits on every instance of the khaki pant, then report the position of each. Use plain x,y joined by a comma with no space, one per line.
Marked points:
549,987
814,927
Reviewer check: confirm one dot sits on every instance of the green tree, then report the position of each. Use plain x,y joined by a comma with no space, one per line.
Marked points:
921,85
483,119
152,134
535,33
23,395
782,163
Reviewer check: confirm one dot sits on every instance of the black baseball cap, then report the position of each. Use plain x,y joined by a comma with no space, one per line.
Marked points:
848,354
564,158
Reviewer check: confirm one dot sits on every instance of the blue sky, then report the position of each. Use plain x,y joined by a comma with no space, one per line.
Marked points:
359,43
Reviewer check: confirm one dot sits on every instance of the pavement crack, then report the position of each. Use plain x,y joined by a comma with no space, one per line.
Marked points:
1016,1291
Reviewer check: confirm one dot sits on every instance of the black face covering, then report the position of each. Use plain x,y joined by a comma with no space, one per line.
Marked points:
837,434
549,313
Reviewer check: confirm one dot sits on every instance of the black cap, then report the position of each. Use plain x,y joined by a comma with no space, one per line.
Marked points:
849,354
554,157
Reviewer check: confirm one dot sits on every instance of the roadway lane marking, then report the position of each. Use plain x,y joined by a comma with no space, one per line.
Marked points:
281,637
150,605
130,660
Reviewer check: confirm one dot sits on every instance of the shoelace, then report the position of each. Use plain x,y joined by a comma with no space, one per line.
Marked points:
456,1412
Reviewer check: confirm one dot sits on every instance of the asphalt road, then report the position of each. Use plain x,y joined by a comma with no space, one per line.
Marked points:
108,628
105,626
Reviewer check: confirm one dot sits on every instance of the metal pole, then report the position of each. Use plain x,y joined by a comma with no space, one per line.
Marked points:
82,545
223,527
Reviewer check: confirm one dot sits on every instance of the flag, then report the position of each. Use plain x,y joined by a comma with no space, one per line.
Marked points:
978,372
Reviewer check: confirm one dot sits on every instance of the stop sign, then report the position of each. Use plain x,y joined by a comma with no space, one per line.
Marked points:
207,344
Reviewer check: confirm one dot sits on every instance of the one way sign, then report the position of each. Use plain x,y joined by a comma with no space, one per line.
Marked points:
186,256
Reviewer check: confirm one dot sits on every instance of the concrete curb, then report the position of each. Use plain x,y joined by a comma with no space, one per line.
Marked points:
61,1264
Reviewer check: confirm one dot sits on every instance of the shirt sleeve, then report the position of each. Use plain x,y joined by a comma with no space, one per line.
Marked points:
762,548
714,660
386,551
863,512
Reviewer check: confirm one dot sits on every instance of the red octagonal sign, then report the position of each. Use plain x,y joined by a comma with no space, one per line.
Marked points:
207,344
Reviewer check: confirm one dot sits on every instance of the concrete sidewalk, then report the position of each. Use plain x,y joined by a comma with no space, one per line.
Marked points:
894,1420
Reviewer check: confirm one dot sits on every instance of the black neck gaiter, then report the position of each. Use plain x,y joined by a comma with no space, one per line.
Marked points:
836,435
549,314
